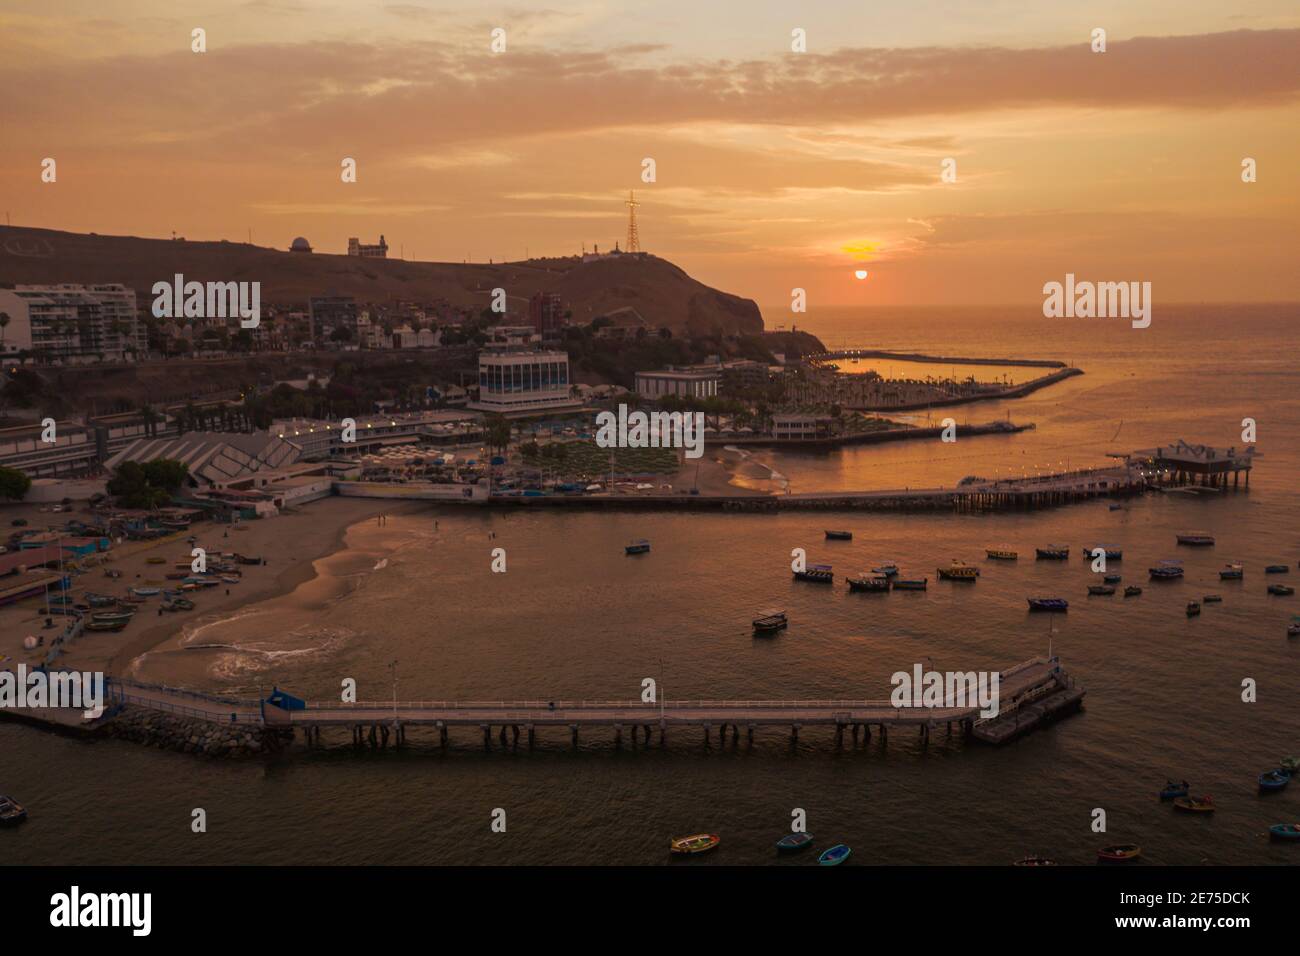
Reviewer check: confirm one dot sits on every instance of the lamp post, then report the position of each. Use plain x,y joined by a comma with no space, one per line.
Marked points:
393,667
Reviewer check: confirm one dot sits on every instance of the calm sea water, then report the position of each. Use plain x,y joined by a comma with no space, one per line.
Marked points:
572,617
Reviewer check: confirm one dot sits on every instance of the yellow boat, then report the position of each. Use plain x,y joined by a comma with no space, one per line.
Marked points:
958,571
696,843
1001,554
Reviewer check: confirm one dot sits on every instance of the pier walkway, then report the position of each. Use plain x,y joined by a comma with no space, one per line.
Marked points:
1032,682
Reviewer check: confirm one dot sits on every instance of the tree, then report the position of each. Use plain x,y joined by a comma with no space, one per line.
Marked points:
13,484
149,485
4,324
496,432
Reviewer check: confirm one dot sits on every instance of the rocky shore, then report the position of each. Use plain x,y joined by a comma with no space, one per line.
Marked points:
169,732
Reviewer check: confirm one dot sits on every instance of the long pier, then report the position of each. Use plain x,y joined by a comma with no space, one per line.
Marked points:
1030,694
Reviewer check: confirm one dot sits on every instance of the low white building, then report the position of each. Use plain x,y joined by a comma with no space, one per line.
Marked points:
696,381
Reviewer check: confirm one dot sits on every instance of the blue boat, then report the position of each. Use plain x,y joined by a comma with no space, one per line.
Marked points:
835,855
1274,780
794,841
637,547
1276,569
1172,790
1285,831
1048,604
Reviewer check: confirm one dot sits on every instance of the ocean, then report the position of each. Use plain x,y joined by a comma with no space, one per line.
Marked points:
572,617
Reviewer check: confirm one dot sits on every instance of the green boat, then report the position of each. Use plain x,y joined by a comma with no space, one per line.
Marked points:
835,855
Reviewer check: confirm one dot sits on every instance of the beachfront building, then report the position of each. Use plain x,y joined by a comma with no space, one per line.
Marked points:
513,382
215,459
693,381
72,452
801,427
72,324
319,439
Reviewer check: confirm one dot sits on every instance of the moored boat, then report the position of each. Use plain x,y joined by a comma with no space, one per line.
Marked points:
1132,591
12,812
695,843
958,571
1274,780
1281,590
1113,578
1212,599
1052,552
637,547
769,622
1193,608
231,578
1112,553
1232,572
911,584
889,569
155,559
1293,629
839,535
146,592
1101,589
1284,831
1194,804
835,855
1290,764
106,625
817,573
1172,790
1276,569
1166,571
1119,853
1002,554
794,841
1196,539
1048,604
868,582
1034,861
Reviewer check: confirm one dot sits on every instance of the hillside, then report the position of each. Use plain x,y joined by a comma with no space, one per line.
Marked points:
659,291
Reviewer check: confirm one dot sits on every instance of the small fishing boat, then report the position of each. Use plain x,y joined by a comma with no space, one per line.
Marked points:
156,559
247,559
1196,539
1119,853
1116,506
1034,861
1284,831
1172,790
1001,554
835,855
12,812
1276,569
1132,591
178,604
112,573
106,625
1101,589
889,569
637,547
1293,629
817,573
1193,608
1052,553
839,535
1274,780
176,575
1048,604
113,615
146,592
695,843
769,622
868,582
231,578
1113,578
1166,571
1212,599
1232,572
100,600
128,600
1112,553
1290,764
794,841
958,571
1194,804
913,584
1281,590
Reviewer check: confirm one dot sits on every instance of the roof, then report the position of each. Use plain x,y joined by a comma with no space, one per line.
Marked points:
213,457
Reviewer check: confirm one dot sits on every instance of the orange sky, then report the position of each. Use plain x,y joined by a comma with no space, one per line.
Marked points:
775,169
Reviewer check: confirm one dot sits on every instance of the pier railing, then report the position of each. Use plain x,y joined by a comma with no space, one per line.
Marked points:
546,705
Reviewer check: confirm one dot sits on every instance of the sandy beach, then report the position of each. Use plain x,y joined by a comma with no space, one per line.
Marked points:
289,544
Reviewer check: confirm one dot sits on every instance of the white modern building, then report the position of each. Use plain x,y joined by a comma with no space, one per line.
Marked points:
514,382
697,381
72,323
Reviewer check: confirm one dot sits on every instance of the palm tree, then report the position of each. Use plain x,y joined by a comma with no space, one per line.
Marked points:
4,324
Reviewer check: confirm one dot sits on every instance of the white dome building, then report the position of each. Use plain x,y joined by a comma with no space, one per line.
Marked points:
300,245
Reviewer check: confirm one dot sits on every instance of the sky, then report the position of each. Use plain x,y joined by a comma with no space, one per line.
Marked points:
774,169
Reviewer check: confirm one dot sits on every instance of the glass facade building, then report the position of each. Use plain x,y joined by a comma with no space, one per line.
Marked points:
522,381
